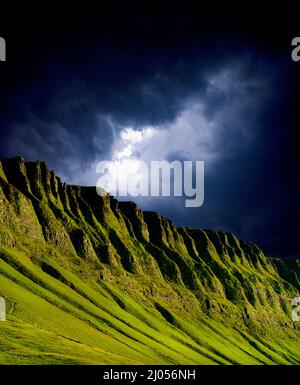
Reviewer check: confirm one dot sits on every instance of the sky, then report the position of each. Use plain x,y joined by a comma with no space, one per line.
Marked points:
175,81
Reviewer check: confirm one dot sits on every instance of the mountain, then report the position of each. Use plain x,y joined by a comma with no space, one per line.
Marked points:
90,280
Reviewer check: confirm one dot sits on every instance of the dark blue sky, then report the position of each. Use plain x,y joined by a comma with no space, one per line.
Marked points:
218,86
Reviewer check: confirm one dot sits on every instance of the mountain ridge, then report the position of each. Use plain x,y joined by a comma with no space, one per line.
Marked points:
216,298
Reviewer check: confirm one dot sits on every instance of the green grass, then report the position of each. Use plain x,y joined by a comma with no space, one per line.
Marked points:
82,325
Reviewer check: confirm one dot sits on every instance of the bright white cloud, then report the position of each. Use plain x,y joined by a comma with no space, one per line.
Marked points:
129,141
190,136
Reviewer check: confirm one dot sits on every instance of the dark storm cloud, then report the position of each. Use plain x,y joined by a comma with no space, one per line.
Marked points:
81,84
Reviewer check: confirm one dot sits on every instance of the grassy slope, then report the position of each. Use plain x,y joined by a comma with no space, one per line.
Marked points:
60,325
107,284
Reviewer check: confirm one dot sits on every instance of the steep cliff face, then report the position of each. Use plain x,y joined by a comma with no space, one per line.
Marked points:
92,280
